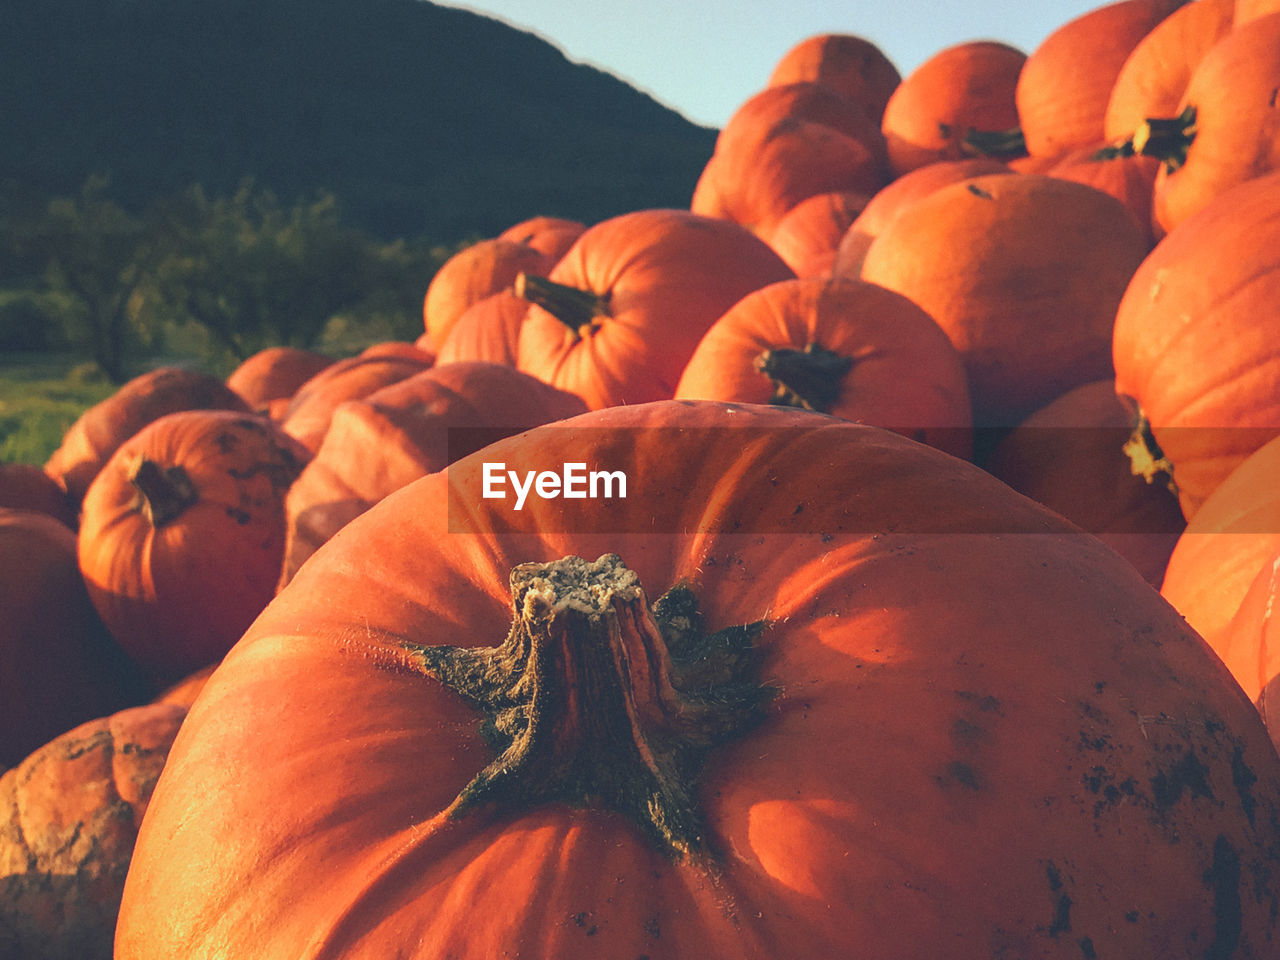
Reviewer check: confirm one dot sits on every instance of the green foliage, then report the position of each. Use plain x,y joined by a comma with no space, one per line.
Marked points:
225,276
39,399
252,272
94,259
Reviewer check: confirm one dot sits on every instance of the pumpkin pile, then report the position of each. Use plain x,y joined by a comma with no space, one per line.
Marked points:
877,557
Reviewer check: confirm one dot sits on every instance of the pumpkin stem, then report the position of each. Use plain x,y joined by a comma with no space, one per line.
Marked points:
574,307
597,698
993,143
163,494
1165,138
809,378
1146,459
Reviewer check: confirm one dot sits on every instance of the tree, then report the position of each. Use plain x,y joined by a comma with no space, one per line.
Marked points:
97,258
253,272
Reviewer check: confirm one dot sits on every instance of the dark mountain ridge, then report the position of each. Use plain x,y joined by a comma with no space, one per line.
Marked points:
423,120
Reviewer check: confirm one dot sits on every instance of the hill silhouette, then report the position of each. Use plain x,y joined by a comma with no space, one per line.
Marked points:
423,120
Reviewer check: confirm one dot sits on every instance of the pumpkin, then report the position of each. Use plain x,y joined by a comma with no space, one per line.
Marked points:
755,179
1066,83
1024,273
550,236
1248,647
1227,129
472,274
96,434
775,742
1233,535
275,373
619,316
1246,10
1195,339
25,486
808,102
185,691
489,331
851,65
182,535
886,203
808,235
957,103
416,351
307,416
69,815
58,664
1155,74
1069,455
841,347
404,431
1130,179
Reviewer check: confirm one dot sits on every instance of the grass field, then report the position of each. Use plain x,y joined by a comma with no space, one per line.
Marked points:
40,396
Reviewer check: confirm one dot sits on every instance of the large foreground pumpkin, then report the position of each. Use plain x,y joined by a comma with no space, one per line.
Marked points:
901,712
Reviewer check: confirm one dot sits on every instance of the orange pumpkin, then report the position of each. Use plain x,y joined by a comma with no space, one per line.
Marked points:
59,666
1069,455
619,316
808,102
489,331
1066,83
69,816
852,66
886,203
808,235
550,236
1024,273
1130,179
472,274
756,178
275,373
404,431
1227,128
307,416
779,742
1154,77
24,486
957,103
182,535
89,443
841,347
1195,338
1233,535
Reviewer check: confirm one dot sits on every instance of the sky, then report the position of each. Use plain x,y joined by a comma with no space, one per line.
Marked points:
705,57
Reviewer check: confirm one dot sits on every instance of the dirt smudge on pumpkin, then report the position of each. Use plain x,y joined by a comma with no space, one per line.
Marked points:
1243,778
960,773
1188,775
1223,879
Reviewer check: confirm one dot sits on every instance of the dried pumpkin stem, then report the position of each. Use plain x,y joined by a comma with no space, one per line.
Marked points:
572,306
993,143
1165,138
1146,459
163,493
809,379
596,698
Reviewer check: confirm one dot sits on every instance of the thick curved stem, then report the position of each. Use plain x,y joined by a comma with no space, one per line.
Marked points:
574,307
596,698
809,379
1165,138
1146,459
163,493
